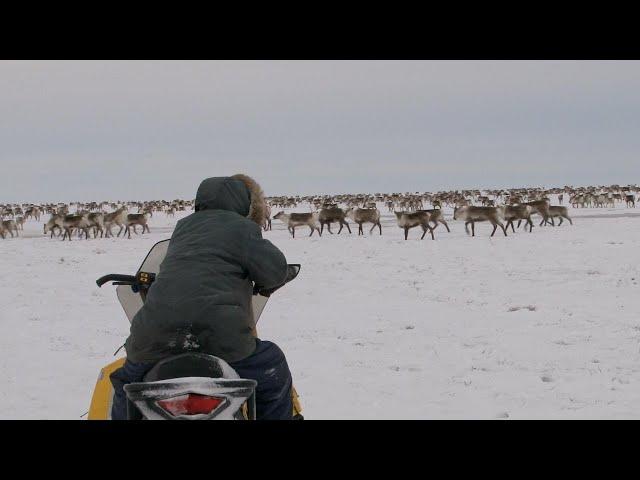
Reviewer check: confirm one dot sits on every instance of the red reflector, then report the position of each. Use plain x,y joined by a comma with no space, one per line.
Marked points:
190,404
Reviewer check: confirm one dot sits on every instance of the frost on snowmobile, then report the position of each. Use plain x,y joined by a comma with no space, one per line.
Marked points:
188,386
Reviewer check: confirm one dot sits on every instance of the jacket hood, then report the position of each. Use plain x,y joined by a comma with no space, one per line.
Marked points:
240,194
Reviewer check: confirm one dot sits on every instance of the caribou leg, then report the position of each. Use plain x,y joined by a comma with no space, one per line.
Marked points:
426,229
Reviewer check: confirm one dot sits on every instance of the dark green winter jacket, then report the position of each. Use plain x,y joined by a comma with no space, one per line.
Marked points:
201,298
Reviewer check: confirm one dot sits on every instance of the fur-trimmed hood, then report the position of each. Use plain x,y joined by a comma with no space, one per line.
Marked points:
258,207
238,193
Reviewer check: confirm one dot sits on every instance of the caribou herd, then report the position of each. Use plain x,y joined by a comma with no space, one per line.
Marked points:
501,208
87,218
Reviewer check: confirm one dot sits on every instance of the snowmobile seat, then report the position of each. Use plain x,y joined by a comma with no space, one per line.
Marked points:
190,365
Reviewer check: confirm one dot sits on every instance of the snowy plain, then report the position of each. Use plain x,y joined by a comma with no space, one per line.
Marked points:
540,325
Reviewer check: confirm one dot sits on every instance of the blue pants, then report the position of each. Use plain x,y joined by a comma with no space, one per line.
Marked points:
267,365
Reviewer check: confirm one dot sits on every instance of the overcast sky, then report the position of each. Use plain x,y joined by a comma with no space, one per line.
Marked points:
152,130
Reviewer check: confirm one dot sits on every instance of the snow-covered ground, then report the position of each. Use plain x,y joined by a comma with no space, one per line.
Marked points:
540,325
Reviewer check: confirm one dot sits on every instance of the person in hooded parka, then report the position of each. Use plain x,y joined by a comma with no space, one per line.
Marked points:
201,299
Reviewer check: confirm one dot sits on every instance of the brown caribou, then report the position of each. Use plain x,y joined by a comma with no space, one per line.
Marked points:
471,214
408,220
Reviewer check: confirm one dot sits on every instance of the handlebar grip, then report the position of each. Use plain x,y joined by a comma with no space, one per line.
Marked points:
116,277
292,272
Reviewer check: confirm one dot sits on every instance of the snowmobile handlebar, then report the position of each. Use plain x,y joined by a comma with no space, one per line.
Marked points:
116,277
292,272
142,280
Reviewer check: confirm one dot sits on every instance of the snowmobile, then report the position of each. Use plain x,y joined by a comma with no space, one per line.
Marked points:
187,386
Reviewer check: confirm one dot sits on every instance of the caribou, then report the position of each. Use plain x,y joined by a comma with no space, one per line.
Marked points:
19,222
71,222
119,217
332,214
516,212
96,222
267,218
54,222
408,220
541,207
364,215
559,212
134,219
471,214
436,218
9,226
293,220
630,200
